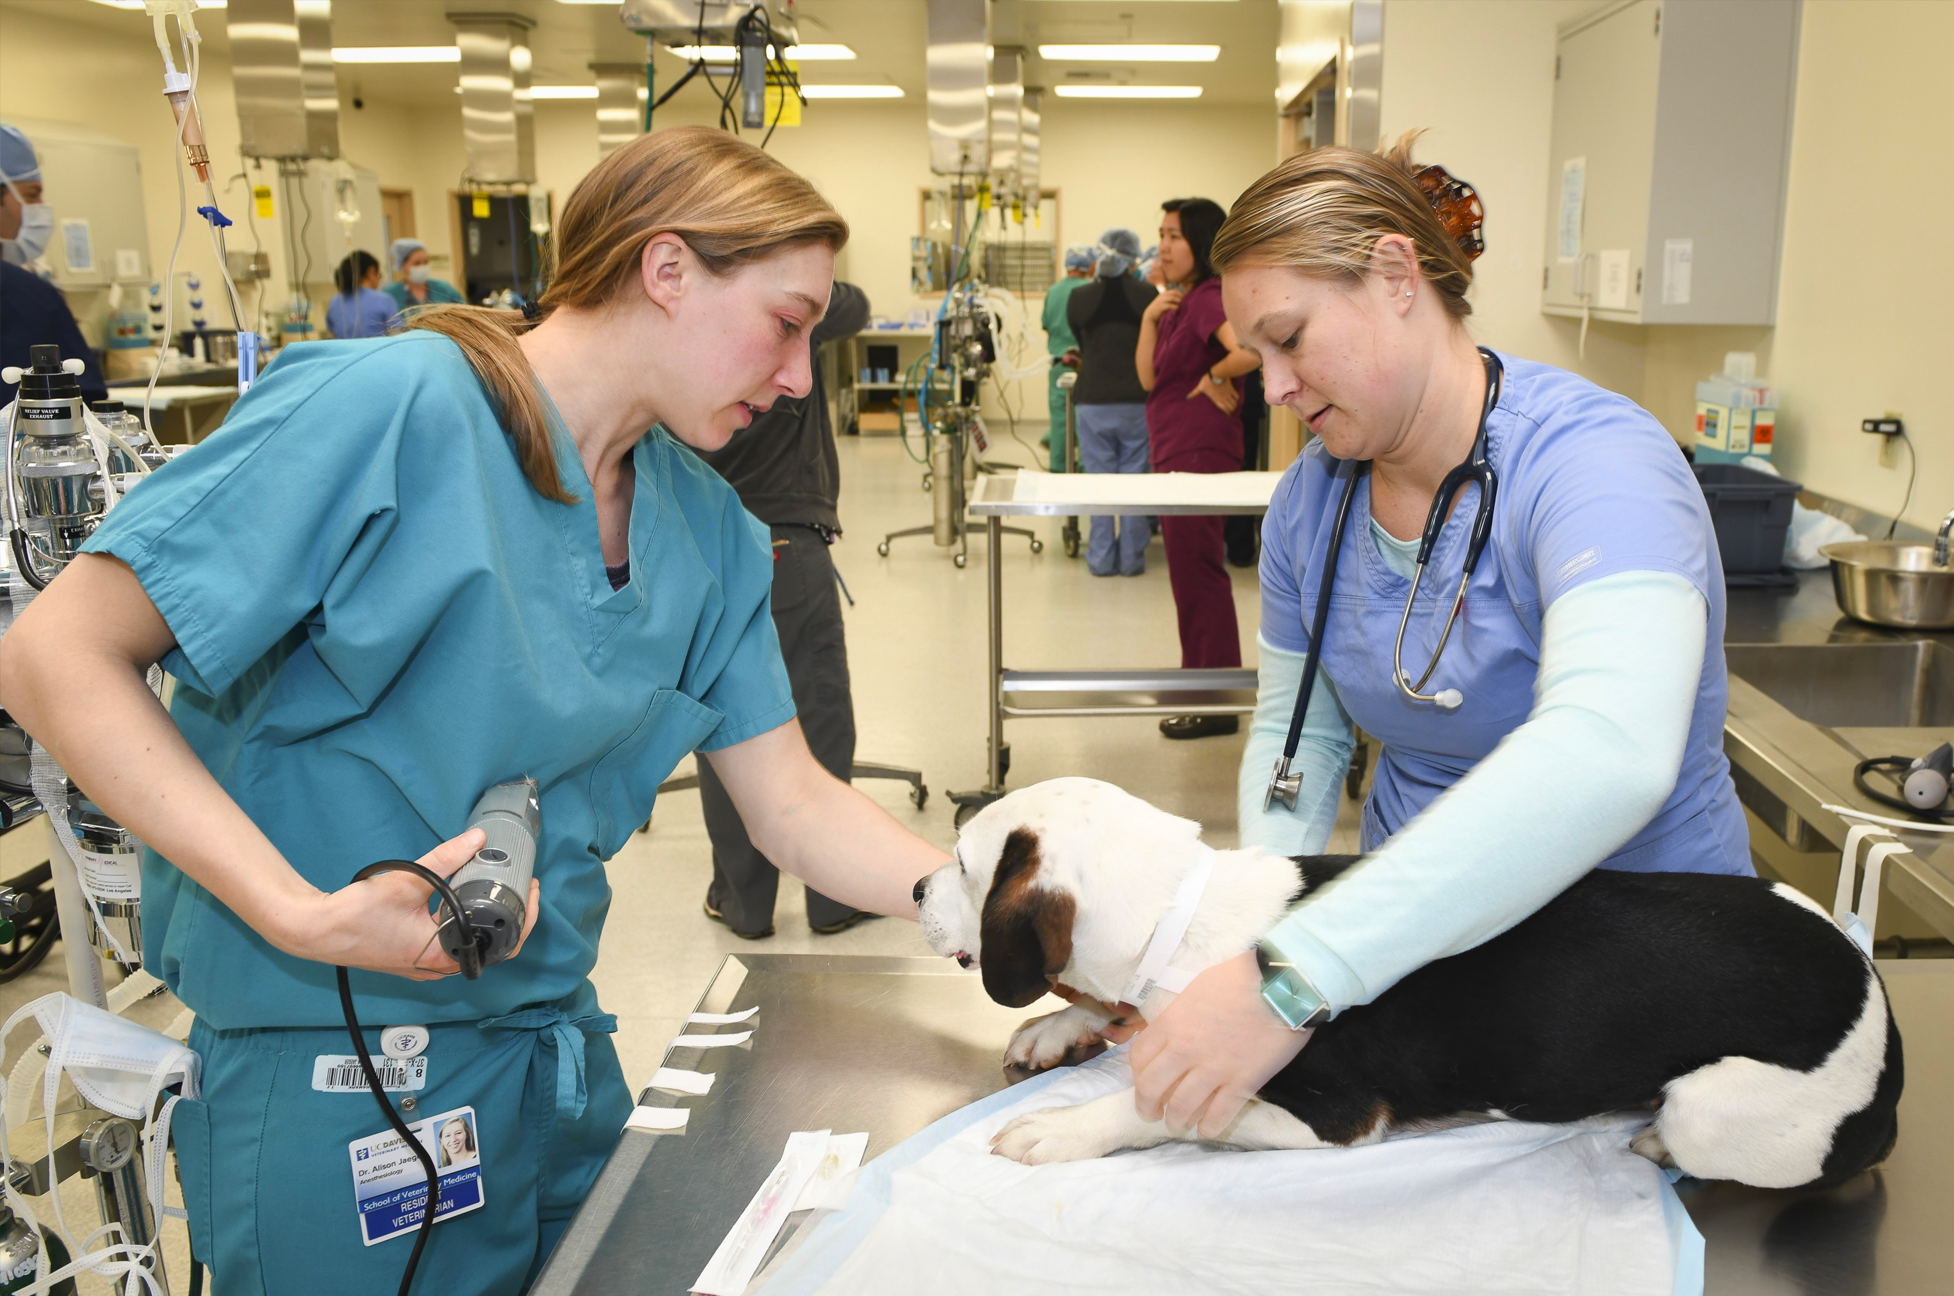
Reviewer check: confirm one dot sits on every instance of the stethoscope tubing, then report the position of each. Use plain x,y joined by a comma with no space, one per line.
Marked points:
1477,468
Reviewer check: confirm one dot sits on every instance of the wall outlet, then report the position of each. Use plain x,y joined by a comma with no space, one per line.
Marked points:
1889,428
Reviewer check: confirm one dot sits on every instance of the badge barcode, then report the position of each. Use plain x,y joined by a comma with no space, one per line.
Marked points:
391,1076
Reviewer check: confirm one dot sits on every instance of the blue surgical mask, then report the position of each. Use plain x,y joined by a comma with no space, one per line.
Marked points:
36,228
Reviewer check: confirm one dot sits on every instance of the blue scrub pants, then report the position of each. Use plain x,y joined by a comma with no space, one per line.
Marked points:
268,1179
1113,439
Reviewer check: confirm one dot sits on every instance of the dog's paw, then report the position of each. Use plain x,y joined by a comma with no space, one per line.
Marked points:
1649,1144
1043,1042
1054,1135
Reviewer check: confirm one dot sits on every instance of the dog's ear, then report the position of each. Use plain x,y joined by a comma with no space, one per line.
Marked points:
1026,930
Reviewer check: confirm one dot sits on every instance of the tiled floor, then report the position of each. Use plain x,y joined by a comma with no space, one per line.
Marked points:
917,652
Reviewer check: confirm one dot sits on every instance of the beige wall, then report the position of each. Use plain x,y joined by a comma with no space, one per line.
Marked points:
1478,77
1859,330
1862,298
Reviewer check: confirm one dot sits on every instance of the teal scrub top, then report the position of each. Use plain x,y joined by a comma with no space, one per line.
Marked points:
439,291
377,618
1058,328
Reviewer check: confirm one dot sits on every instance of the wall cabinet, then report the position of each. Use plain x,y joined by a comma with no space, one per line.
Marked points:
1671,143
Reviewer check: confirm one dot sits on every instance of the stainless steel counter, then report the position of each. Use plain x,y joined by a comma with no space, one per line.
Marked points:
1788,767
889,1045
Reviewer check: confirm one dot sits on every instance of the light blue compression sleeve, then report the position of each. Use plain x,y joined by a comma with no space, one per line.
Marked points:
1595,760
1322,756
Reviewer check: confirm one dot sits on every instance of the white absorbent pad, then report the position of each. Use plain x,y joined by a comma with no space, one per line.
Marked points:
1502,1207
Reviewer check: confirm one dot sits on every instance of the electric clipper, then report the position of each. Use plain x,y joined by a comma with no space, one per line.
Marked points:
493,888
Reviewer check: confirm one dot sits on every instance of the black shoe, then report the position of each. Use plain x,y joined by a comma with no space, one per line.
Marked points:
843,924
718,915
1200,726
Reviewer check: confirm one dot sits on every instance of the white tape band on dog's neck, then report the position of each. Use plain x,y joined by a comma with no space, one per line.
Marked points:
1153,972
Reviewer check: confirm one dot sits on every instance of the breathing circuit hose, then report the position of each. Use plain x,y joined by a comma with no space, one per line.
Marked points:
471,967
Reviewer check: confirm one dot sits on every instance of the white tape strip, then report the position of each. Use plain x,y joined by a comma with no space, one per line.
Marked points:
720,1019
712,1041
657,1119
686,1082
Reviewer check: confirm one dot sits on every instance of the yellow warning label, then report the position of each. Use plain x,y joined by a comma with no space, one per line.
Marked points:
783,106
261,194
480,209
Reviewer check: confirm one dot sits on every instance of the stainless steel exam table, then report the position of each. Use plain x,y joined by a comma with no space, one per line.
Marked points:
889,1045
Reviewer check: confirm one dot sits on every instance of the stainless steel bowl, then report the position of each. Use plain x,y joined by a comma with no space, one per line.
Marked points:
1892,584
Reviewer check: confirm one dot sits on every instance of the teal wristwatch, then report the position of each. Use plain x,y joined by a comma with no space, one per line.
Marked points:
1288,992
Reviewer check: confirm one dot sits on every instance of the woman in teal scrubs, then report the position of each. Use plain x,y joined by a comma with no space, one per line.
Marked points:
404,571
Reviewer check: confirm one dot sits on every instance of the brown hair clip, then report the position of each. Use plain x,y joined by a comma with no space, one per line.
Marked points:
1457,206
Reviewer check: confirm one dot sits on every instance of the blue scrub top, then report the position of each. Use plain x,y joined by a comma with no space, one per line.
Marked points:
362,315
1589,485
377,618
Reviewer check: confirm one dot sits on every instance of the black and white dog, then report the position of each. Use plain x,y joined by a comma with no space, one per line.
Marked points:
1733,1008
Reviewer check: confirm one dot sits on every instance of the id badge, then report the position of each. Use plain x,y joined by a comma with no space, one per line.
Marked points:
390,1188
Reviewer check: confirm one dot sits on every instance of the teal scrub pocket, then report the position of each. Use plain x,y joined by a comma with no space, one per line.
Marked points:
190,1135
673,725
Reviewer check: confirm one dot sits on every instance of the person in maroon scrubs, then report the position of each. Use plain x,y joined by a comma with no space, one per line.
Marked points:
1191,366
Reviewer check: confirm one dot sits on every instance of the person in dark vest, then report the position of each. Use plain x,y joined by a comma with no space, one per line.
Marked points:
784,468
1109,402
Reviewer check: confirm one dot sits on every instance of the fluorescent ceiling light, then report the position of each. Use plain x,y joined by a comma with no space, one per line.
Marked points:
1126,92
797,53
1130,53
852,91
396,54
137,4
563,92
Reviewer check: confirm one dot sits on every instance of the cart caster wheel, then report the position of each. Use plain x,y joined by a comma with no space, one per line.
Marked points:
962,815
1038,546
958,559
919,795
1071,546
883,548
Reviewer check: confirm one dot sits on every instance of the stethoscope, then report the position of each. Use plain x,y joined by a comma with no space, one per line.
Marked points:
1477,467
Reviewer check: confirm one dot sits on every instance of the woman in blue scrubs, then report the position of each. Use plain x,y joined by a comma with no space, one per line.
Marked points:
1589,651
404,571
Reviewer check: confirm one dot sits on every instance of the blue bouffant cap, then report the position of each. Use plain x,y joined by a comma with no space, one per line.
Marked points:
1081,256
18,161
403,248
1118,249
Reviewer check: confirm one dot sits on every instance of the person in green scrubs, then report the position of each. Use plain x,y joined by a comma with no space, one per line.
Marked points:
414,284
1079,260
406,570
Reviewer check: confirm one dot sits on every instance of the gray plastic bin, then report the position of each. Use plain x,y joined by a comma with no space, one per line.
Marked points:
1751,511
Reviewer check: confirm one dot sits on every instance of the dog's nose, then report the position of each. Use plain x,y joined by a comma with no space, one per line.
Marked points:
917,892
